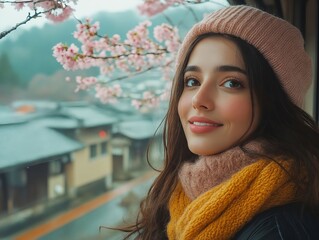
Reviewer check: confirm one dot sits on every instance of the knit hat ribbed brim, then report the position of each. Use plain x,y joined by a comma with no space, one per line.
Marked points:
277,40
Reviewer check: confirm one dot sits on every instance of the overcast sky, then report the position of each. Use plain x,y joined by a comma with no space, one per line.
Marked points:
9,17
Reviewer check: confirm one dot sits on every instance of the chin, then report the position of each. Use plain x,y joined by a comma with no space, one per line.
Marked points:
204,152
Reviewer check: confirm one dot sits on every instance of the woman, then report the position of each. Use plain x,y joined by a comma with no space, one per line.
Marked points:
241,156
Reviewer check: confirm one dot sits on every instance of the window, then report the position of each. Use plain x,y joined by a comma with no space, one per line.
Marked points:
103,147
55,167
93,151
17,178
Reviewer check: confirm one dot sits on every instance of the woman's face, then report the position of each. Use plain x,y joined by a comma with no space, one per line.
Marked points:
215,107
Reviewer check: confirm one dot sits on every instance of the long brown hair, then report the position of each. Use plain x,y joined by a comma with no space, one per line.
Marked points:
287,130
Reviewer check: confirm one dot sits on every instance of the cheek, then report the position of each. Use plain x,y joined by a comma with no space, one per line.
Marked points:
237,110
184,104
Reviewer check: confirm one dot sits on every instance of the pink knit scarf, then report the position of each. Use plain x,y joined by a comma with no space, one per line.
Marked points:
208,171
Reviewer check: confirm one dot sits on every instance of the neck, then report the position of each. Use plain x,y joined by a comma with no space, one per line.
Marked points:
209,171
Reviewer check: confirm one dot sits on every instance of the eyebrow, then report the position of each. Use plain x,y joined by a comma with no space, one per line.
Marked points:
223,68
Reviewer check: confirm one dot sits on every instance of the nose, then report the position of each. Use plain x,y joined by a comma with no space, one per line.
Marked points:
203,99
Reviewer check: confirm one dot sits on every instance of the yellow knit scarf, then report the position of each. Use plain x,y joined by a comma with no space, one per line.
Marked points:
223,210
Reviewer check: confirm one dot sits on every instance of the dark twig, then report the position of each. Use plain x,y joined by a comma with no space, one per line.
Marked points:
29,17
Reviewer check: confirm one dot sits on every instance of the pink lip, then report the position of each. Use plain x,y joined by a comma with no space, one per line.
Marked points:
204,125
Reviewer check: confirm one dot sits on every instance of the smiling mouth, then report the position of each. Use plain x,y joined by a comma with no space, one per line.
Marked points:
202,127
206,124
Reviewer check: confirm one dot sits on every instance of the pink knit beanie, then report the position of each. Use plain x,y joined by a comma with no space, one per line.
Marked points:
279,41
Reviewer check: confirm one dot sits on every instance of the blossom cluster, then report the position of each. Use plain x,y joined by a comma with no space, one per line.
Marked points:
83,83
153,7
54,10
138,52
108,94
169,35
149,100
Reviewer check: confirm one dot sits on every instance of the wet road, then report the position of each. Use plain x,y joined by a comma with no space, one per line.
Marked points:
83,222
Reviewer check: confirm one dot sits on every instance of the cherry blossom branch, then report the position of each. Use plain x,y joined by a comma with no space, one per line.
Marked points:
138,73
29,17
16,2
141,51
137,51
136,54
49,9
123,55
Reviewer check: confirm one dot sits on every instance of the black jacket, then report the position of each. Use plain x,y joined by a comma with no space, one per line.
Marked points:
286,222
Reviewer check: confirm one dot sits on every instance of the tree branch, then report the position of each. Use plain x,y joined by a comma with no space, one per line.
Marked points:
36,14
29,17
137,73
27,1
123,55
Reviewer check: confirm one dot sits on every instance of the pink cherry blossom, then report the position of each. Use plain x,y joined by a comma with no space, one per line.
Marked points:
169,34
115,39
118,50
173,45
168,71
121,64
18,5
46,4
86,31
67,56
84,83
139,36
108,94
106,69
136,52
136,103
149,100
59,15
55,10
153,7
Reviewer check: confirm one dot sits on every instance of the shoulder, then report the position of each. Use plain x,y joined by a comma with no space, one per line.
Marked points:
286,222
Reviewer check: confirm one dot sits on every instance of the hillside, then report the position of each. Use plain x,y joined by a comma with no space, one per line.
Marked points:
31,52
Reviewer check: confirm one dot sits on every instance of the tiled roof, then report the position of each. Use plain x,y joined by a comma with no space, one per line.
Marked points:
137,129
22,144
89,116
57,122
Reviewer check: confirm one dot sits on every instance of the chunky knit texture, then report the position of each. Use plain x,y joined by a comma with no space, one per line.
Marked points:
208,171
222,211
280,43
